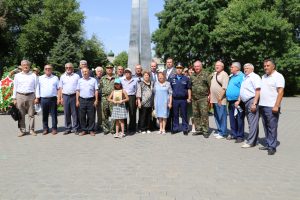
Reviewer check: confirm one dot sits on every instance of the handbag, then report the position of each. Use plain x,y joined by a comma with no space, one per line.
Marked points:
154,113
14,112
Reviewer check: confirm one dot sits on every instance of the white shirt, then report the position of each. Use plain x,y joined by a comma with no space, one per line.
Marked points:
68,83
87,87
251,82
47,86
269,85
24,83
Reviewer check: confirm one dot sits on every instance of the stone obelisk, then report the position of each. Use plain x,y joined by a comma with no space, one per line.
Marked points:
139,44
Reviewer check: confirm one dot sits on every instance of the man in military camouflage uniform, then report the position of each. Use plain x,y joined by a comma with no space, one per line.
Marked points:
200,90
106,86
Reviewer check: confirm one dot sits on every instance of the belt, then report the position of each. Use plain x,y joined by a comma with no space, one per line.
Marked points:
69,94
90,98
54,97
248,100
26,94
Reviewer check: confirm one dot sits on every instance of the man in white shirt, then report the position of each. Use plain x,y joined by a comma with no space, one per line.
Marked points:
67,97
249,95
47,92
87,100
272,90
25,84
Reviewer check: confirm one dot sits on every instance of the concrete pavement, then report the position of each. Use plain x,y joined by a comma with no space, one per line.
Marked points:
148,167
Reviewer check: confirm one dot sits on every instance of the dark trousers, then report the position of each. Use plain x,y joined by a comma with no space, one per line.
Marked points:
70,110
170,121
253,119
182,105
236,122
49,106
131,107
87,114
270,123
145,118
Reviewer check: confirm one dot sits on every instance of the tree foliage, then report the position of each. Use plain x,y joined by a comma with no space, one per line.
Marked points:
242,30
121,59
252,36
43,31
184,29
64,51
93,52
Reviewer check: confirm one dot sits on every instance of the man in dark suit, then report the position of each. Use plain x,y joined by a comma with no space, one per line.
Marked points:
169,73
83,64
153,79
153,76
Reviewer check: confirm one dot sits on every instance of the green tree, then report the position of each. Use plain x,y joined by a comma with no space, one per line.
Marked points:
184,30
121,59
43,28
252,36
289,66
64,51
290,9
93,52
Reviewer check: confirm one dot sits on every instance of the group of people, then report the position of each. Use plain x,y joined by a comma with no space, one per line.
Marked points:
158,96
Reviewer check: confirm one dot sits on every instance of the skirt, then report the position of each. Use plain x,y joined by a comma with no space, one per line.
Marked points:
119,112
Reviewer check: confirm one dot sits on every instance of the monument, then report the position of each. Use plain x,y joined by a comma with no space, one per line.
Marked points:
139,51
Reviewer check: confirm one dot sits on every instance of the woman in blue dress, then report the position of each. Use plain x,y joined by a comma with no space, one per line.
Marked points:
162,101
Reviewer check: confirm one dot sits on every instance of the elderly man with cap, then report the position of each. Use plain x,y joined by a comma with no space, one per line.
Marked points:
67,97
106,87
236,108
25,85
181,87
83,64
249,95
200,91
87,100
129,84
47,92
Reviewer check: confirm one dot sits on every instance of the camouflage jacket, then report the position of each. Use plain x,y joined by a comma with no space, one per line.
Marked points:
200,85
106,86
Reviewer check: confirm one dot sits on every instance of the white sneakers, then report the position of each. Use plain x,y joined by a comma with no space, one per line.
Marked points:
220,137
245,145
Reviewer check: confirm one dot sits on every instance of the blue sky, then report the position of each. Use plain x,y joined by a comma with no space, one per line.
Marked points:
109,20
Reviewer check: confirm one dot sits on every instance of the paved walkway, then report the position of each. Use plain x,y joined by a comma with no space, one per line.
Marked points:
150,166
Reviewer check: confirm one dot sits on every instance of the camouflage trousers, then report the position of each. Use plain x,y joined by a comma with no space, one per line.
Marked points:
200,114
108,127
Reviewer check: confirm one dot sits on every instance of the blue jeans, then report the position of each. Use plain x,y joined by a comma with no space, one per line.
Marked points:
236,122
220,114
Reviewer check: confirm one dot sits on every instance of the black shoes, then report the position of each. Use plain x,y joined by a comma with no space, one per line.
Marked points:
206,135
185,133
239,140
174,132
67,132
271,151
263,148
